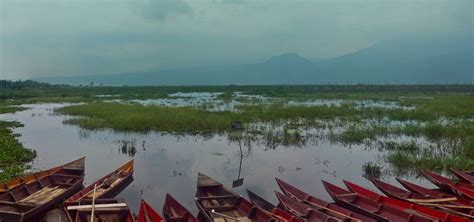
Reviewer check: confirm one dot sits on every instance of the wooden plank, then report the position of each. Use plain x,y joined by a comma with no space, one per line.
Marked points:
79,207
433,200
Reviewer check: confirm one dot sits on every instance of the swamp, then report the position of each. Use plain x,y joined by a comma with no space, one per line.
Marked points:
297,133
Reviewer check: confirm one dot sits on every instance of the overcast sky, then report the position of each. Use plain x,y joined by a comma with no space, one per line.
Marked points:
80,37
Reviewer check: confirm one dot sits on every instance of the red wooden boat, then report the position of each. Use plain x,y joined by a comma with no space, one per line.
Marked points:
147,214
403,205
29,200
369,207
264,204
173,211
17,181
106,187
109,210
461,189
218,203
463,176
434,194
303,211
316,203
398,193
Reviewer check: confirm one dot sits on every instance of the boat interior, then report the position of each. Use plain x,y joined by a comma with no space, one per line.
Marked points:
29,195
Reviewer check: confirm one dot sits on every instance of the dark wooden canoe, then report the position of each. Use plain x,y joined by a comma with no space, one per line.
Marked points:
173,211
463,176
461,189
148,214
265,205
303,211
108,210
398,193
369,207
30,200
316,203
106,187
17,181
218,203
403,205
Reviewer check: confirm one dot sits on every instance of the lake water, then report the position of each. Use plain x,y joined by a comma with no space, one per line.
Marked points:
166,163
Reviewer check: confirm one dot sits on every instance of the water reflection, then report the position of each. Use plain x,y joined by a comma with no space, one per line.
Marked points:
128,147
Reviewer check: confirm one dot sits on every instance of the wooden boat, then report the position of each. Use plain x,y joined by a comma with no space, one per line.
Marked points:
316,203
463,176
17,181
368,207
108,210
148,214
439,200
218,203
106,187
30,200
430,193
173,211
264,204
403,205
461,189
303,211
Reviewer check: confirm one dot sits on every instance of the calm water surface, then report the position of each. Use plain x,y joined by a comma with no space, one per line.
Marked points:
166,163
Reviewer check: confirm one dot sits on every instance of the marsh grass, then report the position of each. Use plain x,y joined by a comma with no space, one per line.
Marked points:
434,116
371,170
134,117
13,156
406,161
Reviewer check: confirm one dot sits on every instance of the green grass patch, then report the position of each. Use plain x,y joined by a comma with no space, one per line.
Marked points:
13,156
135,117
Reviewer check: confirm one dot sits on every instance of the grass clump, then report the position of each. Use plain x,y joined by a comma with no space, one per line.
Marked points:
371,170
13,155
135,117
406,161
405,146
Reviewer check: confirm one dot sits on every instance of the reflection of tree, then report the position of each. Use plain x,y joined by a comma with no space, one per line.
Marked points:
84,134
127,147
271,137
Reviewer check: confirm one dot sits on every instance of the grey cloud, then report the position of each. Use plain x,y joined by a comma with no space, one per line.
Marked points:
161,9
237,2
54,37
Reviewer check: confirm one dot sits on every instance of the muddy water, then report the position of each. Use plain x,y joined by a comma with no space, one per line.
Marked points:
167,163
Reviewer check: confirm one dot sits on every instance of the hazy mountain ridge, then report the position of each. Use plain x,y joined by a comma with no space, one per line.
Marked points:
427,62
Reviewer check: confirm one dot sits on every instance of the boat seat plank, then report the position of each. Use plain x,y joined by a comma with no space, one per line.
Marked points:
102,190
67,175
217,197
208,183
43,196
97,206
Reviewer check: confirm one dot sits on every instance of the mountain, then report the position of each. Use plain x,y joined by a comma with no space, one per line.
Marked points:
390,62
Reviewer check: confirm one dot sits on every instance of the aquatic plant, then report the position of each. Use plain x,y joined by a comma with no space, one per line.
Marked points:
13,156
371,170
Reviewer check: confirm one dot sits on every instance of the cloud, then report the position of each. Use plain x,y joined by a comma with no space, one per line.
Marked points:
56,37
237,2
161,9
